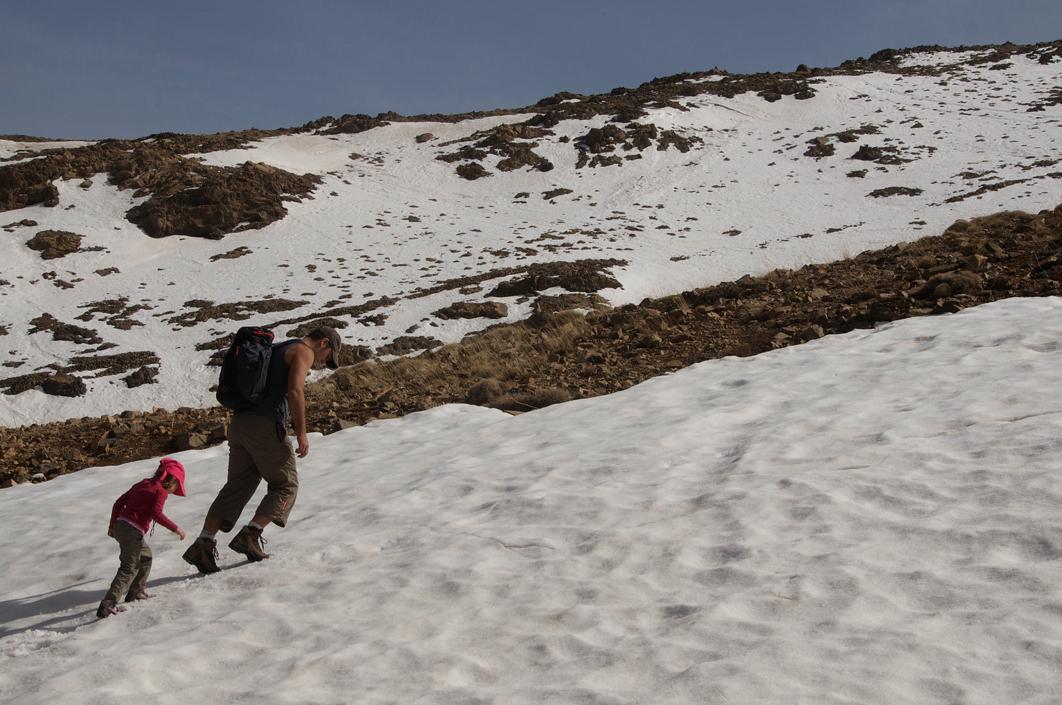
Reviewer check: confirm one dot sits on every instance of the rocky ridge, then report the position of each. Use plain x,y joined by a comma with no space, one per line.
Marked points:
188,197
561,353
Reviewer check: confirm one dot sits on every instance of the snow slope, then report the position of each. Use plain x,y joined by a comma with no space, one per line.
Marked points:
869,518
391,219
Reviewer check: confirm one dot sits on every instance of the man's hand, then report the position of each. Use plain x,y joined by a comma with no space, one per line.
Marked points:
180,533
304,445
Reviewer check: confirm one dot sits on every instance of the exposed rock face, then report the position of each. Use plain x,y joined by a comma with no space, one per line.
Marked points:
500,141
894,191
781,85
230,199
353,124
470,309
144,375
585,275
189,441
64,331
24,223
867,153
820,147
405,344
187,196
636,136
232,254
472,171
53,244
64,385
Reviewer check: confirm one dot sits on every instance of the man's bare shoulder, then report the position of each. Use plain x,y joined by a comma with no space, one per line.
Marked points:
298,351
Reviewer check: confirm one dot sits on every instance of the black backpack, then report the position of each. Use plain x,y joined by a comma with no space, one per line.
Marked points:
242,383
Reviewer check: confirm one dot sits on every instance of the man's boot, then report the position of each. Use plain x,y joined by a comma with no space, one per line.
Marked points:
203,554
249,542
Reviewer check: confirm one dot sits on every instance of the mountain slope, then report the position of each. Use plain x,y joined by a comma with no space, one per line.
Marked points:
753,530
720,177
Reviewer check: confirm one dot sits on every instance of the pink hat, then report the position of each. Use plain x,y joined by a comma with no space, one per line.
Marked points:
168,467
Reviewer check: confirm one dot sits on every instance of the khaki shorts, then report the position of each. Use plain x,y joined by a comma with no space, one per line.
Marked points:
258,451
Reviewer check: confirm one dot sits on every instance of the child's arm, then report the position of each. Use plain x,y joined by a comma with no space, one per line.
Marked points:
160,518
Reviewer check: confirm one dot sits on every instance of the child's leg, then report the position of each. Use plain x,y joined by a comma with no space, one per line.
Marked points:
131,542
139,584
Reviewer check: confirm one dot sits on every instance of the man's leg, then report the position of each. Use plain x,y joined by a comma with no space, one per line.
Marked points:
224,512
275,462
243,476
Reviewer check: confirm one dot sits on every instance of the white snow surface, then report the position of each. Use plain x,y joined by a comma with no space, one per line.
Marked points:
869,518
390,219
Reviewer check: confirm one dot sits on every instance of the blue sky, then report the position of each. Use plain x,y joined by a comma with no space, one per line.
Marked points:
126,69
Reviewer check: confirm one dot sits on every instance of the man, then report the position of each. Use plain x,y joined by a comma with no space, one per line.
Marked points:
259,450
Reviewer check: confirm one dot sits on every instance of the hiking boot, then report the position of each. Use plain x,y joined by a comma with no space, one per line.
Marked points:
107,608
137,596
249,542
203,554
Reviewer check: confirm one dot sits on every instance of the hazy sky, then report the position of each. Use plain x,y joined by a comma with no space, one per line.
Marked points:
126,69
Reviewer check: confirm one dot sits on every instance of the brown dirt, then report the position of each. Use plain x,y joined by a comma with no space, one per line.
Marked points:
558,353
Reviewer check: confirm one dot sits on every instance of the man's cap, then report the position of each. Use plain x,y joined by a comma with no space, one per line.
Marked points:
335,343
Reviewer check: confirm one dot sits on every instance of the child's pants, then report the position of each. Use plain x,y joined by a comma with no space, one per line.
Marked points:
135,559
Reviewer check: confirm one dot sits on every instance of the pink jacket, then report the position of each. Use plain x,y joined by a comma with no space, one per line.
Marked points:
141,505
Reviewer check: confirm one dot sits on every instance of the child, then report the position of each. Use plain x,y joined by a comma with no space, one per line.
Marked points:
131,518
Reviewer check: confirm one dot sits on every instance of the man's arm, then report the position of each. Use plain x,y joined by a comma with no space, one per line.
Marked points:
298,366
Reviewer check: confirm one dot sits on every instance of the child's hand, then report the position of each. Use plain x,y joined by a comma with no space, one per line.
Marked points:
180,533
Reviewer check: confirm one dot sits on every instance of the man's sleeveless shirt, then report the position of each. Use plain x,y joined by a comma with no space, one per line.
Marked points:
275,403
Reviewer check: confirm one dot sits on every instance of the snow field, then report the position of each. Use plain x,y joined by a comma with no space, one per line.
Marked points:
866,518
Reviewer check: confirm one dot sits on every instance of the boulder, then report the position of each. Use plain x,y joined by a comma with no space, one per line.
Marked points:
471,309
53,244
472,171
189,441
64,385
142,376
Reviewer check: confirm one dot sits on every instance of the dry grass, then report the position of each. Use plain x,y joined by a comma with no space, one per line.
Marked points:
482,369
530,401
